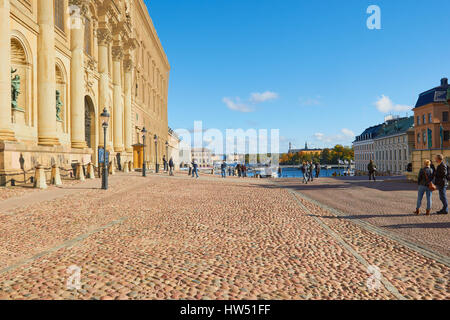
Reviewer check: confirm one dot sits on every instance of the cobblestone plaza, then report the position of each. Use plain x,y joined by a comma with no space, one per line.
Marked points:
219,239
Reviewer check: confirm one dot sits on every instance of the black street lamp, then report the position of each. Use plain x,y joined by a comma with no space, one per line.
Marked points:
104,117
156,151
144,169
167,155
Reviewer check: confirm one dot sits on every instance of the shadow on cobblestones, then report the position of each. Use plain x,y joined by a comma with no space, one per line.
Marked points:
442,225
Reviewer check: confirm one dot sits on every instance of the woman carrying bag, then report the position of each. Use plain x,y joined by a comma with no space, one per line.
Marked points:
425,181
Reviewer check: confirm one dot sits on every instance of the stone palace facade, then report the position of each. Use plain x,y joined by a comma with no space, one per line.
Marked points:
62,62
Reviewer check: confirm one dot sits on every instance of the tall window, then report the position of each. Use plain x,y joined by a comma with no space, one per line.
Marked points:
418,120
430,118
446,135
87,36
59,13
445,116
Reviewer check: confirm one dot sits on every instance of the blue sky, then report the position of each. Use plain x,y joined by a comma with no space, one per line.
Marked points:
309,68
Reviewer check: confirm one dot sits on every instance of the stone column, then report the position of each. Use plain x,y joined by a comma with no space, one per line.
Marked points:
77,79
46,78
6,132
104,37
128,65
117,53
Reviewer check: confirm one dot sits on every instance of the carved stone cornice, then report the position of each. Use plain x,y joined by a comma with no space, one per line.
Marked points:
131,44
83,6
103,36
128,65
117,53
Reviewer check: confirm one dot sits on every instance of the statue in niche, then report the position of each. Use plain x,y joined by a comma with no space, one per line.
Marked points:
59,105
15,90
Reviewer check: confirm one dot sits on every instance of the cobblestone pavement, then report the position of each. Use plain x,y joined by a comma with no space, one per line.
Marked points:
388,204
207,238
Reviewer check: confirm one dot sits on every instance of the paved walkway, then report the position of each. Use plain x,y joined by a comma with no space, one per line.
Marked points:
183,238
388,204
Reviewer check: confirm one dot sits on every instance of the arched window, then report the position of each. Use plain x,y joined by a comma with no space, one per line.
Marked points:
61,94
59,13
21,71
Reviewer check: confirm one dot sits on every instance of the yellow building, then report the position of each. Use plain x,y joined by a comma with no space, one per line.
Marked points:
305,151
62,62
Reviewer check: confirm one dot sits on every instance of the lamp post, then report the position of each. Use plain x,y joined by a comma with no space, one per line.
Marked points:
167,155
104,116
156,152
144,168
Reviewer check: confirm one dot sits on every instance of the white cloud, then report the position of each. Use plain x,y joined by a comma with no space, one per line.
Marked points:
343,137
237,105
348,133
385,105
255,98
263,97
319,136
309,102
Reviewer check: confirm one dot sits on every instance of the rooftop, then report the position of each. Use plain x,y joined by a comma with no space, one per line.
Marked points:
438,94
396,126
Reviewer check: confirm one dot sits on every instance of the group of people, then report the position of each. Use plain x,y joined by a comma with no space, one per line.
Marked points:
309,169
240,170
168,165
432,178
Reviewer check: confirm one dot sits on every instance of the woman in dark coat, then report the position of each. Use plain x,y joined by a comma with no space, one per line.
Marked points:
424,180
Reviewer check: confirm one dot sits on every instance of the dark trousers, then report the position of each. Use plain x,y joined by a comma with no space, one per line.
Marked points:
372,175
443,198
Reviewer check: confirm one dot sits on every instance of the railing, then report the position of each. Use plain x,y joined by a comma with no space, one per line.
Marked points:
67,173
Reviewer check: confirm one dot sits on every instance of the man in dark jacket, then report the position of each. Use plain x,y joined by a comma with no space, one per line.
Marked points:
317,170
441,182
165,163
223,169
372,168
171,166
305,172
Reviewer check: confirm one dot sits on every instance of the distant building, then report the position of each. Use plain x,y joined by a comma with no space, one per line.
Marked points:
306,150
203,156
173,148
394,144
431,113
432,126
364,147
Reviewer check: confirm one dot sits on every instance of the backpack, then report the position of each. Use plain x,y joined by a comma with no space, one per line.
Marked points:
447,177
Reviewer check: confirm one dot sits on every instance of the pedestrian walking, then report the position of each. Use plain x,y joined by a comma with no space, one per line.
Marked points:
165,163
426,186
372,168
441,182
244,171
239,170
305,172
223,168
310,171
194,168
318,169
171,166
229,171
